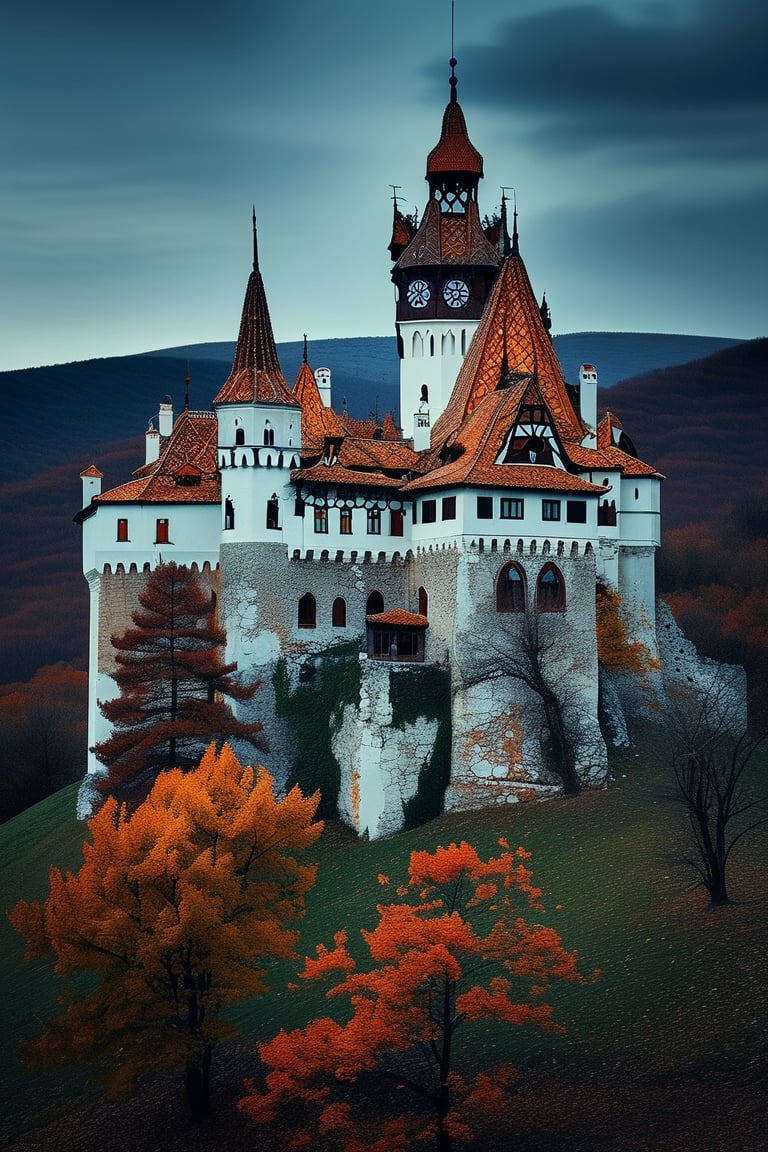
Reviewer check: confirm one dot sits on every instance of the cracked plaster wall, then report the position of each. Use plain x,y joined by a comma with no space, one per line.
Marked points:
380,764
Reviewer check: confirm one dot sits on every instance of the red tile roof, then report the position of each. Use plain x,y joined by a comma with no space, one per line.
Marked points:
190,450
317,421
510,342
454,152
91,470
399,618
446,239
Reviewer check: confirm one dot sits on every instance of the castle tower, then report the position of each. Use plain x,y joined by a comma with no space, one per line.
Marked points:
259,427
444,270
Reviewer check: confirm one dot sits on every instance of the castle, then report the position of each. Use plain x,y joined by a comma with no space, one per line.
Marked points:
422,557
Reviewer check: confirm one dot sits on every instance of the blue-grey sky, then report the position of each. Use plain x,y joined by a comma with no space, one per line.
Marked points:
134,139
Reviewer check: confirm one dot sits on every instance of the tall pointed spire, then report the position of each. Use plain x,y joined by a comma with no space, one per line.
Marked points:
256,376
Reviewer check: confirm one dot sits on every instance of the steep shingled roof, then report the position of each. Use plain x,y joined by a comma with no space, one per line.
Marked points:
454,151
256,373
189,452
317,421
510,343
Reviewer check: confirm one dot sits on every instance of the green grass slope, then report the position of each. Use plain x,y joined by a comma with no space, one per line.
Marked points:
666,1050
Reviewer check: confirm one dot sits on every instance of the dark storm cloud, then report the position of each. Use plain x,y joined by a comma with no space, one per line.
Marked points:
595,75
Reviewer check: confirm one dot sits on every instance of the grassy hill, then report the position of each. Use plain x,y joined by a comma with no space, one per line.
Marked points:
667,1050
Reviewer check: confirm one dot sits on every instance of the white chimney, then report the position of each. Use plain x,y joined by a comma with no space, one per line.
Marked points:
166,416
91,479
153,444
323,381
588,402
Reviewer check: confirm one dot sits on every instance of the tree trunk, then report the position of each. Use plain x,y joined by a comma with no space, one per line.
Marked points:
199,1085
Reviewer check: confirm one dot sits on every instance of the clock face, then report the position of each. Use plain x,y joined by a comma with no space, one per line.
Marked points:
455,293
418,293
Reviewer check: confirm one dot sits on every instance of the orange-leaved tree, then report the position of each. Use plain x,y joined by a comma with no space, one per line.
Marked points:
172,915
615,651
174,686
457,948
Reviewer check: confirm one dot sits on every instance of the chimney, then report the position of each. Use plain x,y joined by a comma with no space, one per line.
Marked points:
153,444
323,381
166,416
588,403
91,479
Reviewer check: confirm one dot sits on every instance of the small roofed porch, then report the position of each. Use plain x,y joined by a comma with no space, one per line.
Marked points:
396,635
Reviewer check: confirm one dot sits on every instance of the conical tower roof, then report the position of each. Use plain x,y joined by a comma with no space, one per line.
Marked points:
256,375
317,421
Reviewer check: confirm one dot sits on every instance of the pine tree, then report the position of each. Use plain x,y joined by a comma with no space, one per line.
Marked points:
174,686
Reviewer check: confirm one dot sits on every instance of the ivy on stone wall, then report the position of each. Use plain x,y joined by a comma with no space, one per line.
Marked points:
425,693
313,710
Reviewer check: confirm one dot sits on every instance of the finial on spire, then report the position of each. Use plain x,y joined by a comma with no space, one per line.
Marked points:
453,81
305,349
515,246
255,242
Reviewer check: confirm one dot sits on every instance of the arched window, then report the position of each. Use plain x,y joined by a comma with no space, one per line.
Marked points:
374,603
239,435
510,589
448,344
339,613
423,602
431,345
229,513
307,611
417,346
269,434
550,590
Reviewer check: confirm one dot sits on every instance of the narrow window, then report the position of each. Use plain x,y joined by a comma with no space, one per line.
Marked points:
239,436
339,613
374,604
550,509
298,506
122,530
510,589
229,513
374,521
550,590
429,511
485,507
448,509
273,512
161,532
321,520
307,611
431,345
511,508
576,511
345,521
423,602
417,346
395,522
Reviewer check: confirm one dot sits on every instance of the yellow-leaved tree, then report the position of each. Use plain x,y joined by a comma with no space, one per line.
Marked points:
172,915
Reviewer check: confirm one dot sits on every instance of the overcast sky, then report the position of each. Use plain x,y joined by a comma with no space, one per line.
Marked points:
135,137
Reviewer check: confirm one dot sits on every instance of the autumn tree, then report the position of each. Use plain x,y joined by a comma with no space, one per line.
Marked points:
172,916
174,686
615,651
711,760
455,949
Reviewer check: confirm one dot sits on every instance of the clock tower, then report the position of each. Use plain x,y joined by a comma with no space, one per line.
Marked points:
444,270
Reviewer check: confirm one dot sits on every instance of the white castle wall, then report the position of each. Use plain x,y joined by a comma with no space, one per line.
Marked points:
380,764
